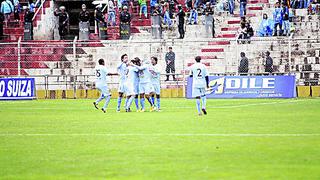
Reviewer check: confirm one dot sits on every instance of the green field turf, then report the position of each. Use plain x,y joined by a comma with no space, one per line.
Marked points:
238,139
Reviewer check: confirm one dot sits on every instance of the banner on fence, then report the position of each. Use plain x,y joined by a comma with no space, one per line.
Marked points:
248,87
17,88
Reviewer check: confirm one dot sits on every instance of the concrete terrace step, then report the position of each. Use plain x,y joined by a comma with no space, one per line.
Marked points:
219,43
226,36
257,1
229,29
234,21
213,50
256,8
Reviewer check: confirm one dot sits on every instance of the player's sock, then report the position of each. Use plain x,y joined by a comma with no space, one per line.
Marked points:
126,102
119,103
136,100
129,103
198,106
107,102
204,102
100,98
142,103
158,103
152,99
151,102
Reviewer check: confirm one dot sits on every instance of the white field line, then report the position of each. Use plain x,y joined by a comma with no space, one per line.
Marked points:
180,107
161,135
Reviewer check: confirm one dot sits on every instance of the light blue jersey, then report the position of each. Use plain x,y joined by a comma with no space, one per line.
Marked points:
145,86
122,70
155,72
132,78
199,72
155,80
101,73
145,74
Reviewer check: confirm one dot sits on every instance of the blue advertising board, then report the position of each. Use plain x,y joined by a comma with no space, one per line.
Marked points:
17,88
248,87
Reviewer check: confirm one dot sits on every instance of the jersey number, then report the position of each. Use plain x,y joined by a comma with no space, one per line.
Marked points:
98,74
199,73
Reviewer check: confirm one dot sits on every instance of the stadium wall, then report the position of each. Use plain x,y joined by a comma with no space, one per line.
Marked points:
94,94
302,92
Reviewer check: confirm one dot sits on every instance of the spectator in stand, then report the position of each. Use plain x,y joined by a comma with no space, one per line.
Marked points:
17,11
31,5
152,5
99,16
172,8
84,15
1,25
250,31
63,21
135,6
28,16
157,11
181,15
269,63
286,23
143,8
125,16
166,16
193,15
209,20
84,24
7,8
242,34
277,18
111,13
243,7
124,3
266,26
244,64
170,59
231,6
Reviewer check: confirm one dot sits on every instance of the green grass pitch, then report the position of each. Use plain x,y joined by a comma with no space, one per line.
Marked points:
238,139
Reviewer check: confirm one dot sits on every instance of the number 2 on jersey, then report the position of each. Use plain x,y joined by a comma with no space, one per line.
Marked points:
199,73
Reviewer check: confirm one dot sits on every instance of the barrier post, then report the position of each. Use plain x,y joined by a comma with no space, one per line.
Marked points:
19,56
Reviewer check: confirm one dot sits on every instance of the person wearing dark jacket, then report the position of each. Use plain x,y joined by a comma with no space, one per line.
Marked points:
1,25
84,15
268,63
244,64
28,16
125,16
181,15
63,21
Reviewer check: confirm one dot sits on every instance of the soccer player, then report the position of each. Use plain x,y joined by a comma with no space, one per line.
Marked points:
101,73
136,84
132,77
155,71
122,71
145,86
200,82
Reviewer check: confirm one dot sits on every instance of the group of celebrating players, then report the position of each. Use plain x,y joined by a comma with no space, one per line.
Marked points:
142,78
136,78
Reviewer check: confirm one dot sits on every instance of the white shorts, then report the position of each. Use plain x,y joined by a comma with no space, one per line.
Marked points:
104,90
156,88
198,92
122,88
145,88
